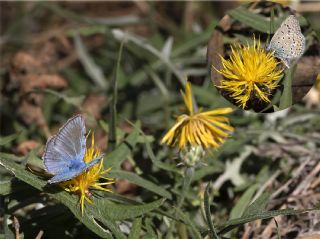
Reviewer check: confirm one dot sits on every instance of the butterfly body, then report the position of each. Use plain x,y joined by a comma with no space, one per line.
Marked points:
288,43
64,152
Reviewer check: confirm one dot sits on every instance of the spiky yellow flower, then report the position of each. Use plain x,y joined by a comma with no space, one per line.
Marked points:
205,129
89,179
251,71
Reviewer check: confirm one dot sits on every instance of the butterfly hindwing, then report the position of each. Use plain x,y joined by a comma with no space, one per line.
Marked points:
67,175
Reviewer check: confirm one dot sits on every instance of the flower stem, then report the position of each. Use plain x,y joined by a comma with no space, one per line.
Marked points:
188,175
112,137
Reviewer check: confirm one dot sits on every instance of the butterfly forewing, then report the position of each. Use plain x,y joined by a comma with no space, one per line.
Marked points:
66,148
71,138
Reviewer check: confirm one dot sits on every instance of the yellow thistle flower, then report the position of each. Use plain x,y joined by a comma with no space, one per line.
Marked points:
88,179
205,129
250,71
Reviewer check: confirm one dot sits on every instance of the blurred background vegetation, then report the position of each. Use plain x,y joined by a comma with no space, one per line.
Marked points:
59,59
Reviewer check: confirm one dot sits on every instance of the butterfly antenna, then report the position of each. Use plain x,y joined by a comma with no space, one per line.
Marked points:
89,132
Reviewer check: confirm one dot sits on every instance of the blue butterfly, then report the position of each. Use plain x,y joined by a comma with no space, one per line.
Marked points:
288,43
64,152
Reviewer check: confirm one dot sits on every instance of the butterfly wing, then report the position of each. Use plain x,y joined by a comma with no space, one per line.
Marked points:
73,171
288,42
64,152
66,175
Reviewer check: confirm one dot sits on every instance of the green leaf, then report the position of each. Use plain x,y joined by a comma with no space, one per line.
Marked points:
253,20
11,186
116,157
119,212
135,229
150,231
69,200
133,178
204,171
286,97
143,45
75,101
141,76
8,139
212,233
231,224
243,202
87,31
119,132
91,68
257,206
191,227
155,161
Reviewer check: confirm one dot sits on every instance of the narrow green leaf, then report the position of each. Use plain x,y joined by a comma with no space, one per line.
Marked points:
257,206
151,232
251,19
243,202
231,224
87,30
91,68
141,76
212,233
11,186
75,101
12,157
118,212
135,229
105,21
133,178
254,20
112,226
286,97
116,157
187,179
120,36
8,139
151,155
204,171
191,227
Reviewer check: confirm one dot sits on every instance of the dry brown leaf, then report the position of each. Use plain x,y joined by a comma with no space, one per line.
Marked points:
125,187
31,113
25,147
93,104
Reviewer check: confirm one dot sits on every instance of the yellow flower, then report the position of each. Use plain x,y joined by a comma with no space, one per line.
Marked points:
90,178
205,129
250,72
